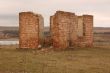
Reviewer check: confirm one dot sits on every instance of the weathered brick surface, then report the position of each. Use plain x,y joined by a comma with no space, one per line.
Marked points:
63,29
30,30
88,29
66,28
87,39
80,26
73,31
69,30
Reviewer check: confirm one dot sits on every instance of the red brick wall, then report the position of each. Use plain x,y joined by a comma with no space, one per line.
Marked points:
73,30
87,39
59,30
88,29
69,30
28,30
63,29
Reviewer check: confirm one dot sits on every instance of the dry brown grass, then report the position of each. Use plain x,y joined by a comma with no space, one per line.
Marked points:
78,60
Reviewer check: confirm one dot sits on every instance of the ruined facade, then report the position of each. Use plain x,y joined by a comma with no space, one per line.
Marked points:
66,30
85,38
70,30
63,29
30,30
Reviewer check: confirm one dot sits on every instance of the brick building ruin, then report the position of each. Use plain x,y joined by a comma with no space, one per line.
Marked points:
63,29
30,30
70,30
66,30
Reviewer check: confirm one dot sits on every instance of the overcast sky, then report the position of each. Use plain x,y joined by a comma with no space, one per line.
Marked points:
9,10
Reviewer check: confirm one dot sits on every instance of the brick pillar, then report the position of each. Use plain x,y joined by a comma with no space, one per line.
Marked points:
73,30
88,29
59,29
29,24
63,29
80,32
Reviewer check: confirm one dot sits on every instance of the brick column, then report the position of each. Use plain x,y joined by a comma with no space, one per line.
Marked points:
63,29
29,30
88,30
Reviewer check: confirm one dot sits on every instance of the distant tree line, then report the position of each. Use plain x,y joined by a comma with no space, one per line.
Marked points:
11,33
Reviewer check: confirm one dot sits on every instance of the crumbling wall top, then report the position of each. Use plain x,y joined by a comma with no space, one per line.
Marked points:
63,12
30,12
88,15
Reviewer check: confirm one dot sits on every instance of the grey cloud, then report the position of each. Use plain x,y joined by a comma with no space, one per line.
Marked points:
9,9
14,17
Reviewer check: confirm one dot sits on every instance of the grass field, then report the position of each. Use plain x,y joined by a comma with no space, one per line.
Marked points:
78,60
